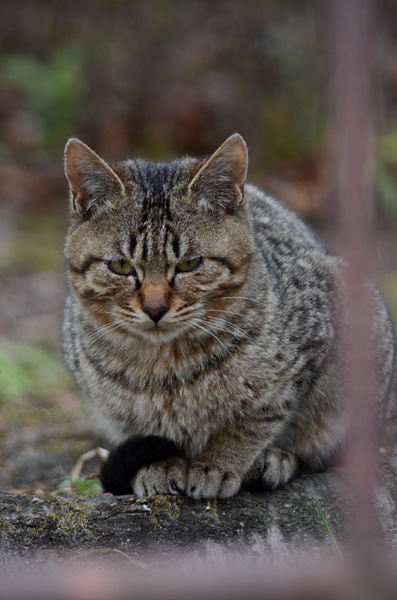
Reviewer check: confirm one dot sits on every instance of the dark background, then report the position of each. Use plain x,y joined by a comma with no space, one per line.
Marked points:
155,79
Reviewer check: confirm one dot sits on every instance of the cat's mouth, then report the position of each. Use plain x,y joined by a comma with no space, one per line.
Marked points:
161,331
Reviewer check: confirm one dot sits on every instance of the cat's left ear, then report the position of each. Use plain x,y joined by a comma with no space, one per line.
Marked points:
92,180
221,179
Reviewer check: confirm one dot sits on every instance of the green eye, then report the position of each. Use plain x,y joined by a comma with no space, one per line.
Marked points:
121,267
189,265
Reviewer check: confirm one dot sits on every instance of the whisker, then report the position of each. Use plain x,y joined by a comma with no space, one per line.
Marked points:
181,316
224,326
230,312
100,331
243,298
210,332
115,326
97,330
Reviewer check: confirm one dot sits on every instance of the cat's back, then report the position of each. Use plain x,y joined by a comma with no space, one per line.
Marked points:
302,274
275,223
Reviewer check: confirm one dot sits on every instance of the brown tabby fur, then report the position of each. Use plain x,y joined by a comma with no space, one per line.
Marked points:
244,369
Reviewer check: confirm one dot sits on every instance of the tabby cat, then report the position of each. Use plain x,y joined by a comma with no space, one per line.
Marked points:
204,325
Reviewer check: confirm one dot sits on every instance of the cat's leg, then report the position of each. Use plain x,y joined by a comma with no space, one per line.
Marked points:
315,430
310,439
219,470
269,446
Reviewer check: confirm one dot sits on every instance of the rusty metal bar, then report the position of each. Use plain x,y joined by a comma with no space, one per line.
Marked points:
353,41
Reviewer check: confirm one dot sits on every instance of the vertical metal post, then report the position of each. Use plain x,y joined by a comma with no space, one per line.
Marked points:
353,49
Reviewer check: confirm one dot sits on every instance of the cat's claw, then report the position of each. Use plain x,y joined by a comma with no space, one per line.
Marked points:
210,481
164,477
279,467
175,477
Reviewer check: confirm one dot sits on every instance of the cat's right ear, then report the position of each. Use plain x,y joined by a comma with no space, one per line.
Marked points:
92,180
219,184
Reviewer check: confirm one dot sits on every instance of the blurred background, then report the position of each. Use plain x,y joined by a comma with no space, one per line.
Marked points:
155,79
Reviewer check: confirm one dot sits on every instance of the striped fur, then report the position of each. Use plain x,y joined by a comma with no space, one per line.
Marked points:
244,370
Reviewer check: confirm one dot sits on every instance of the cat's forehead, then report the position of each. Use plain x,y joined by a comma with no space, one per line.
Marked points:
157,186
155,209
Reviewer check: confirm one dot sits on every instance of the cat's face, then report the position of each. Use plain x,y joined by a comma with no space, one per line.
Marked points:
158,251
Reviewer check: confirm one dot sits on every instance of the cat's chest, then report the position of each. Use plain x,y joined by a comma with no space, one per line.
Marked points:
155,398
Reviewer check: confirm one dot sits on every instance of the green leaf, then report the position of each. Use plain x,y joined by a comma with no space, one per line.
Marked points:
82,486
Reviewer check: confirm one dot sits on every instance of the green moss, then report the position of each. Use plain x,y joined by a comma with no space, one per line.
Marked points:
70,516
161,503
3,523
38,530
212,508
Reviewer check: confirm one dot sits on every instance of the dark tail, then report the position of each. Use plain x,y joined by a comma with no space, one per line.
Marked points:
125,460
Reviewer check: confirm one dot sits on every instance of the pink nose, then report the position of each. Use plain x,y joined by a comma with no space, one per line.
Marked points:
155,313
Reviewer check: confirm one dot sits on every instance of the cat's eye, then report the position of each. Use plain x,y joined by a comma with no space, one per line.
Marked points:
121,267
189,265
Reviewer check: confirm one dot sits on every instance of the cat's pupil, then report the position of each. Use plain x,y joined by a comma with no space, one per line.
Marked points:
121,267
189,265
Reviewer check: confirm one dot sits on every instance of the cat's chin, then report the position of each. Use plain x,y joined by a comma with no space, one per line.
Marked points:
158,335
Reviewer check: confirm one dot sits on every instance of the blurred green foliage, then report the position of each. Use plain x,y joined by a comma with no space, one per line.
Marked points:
82,486
291,122
179,76
387,185
37,247
30,370
54,90
387,172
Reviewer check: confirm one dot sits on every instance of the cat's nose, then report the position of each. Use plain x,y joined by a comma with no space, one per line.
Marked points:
155,313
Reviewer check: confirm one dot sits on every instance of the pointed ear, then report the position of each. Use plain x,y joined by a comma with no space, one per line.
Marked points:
220,181
91,179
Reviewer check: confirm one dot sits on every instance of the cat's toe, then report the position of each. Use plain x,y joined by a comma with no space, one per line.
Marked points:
279,468
207,481
165,477
150,480
176,476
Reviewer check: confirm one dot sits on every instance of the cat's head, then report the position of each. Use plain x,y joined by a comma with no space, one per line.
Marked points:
156,250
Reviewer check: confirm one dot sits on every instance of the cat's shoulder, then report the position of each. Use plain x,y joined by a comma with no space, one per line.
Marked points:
273,220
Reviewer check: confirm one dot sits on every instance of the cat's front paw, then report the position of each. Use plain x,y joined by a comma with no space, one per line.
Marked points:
164,477
208,481
278,468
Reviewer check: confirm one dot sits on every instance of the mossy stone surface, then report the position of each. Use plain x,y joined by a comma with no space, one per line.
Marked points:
250,525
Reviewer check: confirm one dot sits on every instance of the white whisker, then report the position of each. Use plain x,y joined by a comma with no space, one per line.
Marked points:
208,331
97,330
223,325
243,298
101,331
230,312
103,334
